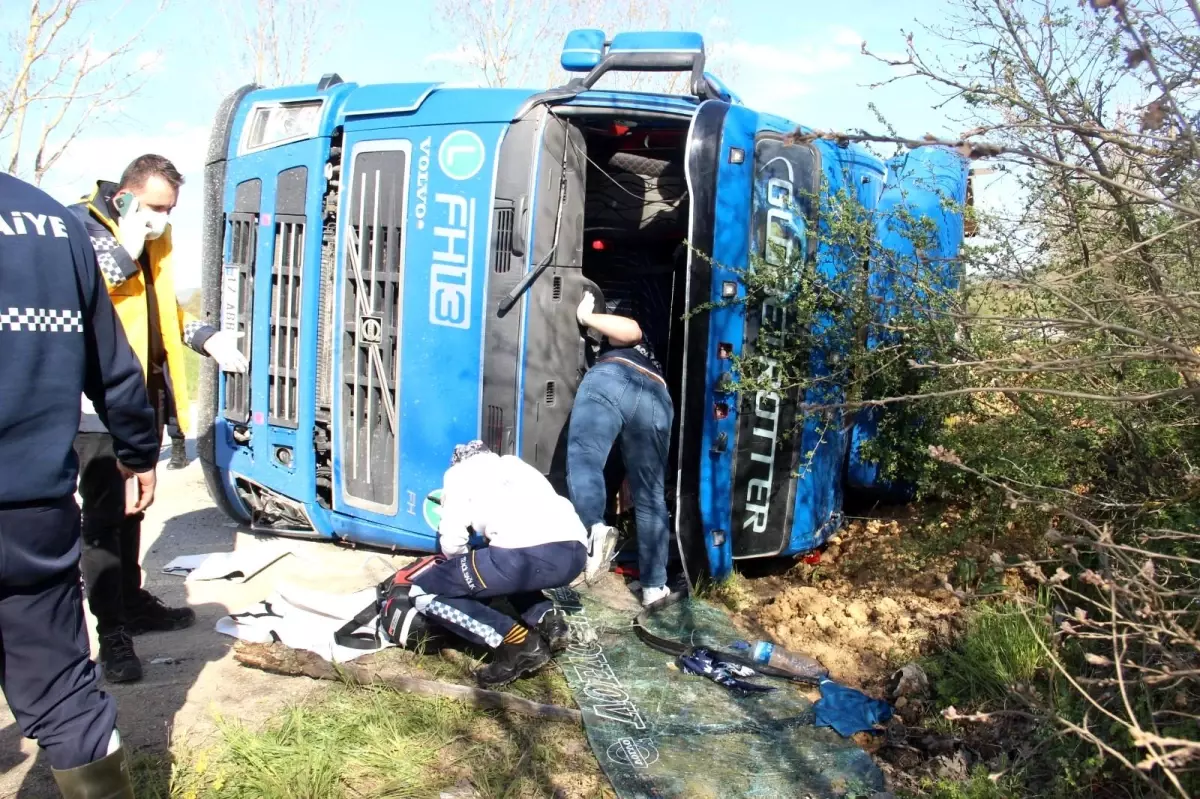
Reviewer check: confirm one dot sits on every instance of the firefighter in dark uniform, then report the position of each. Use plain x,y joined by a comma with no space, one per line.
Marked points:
60,339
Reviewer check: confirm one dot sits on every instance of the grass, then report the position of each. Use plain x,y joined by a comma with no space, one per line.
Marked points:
354,742
1001,661
978,786
733,592
1002,647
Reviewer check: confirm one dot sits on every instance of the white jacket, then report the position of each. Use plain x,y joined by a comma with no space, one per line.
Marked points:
505,500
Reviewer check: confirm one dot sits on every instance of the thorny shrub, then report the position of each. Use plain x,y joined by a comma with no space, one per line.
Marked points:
1060,375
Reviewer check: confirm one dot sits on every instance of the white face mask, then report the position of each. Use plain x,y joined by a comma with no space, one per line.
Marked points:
157,221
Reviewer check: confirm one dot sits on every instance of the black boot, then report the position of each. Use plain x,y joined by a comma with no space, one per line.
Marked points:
144,613
554,628
523,652
106,778
117,658
178,455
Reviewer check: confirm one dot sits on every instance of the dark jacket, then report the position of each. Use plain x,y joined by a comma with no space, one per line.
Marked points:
59,339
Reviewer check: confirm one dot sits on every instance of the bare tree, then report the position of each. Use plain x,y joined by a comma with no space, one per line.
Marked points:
517,42
279,41
57,78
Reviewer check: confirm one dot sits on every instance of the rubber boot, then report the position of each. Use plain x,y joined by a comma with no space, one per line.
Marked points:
106,778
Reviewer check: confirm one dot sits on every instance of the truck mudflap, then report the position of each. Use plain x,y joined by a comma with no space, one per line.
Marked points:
212,255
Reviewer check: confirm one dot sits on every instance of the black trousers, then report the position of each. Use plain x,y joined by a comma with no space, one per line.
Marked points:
112,541
49,680
171,409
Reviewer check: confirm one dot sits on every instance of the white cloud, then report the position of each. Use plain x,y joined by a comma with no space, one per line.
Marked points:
773,76
461,55
149,61
847,37
804,59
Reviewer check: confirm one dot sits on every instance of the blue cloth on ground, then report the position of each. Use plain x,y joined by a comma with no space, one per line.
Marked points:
848,711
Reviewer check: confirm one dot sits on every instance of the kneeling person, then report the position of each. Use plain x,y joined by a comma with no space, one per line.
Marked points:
535,541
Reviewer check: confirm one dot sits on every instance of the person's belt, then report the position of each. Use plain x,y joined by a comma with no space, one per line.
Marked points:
627,362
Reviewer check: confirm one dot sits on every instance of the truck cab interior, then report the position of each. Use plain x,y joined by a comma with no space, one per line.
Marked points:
608,205
609,210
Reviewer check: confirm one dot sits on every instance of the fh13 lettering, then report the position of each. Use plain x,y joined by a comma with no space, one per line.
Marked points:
450,270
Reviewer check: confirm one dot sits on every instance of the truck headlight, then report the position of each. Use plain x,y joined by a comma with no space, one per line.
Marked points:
279,123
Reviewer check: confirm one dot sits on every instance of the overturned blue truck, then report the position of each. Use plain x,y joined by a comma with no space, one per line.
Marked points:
404,262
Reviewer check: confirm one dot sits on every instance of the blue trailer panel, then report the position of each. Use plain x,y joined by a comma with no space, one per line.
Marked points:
925,186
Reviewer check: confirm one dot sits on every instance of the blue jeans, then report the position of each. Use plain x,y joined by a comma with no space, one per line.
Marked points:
618,401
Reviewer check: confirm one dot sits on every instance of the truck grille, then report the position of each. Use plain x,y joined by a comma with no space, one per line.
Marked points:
243,234
495,428
501,252
285,320
371,324
325,320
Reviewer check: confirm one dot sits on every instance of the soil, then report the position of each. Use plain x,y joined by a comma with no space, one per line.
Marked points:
860,610
877,596
886,591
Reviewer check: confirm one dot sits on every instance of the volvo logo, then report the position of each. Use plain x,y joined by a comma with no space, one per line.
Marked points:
461,155
634,752
371,329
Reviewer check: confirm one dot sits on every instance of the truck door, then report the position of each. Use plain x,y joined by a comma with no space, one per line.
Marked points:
720,177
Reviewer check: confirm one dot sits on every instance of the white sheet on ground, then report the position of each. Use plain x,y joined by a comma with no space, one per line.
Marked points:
237,566
303,619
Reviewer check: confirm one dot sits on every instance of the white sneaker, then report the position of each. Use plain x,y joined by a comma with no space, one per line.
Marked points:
652,595
602,545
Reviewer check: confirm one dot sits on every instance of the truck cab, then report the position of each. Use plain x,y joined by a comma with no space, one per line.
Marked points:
404,262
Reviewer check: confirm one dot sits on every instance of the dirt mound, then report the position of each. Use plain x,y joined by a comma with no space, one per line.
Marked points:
858,636
870,602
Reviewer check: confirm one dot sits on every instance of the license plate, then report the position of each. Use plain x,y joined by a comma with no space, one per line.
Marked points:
230,297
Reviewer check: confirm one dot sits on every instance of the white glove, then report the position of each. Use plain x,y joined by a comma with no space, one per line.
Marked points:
223,347
133,229
586,308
